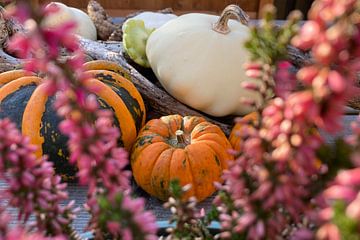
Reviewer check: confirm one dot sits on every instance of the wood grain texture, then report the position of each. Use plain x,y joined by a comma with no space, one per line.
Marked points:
262,3
179,6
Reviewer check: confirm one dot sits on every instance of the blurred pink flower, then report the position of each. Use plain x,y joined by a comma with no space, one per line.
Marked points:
285,81
33,186
328,231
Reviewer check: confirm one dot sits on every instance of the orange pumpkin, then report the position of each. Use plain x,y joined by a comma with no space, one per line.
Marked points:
189,149
234,138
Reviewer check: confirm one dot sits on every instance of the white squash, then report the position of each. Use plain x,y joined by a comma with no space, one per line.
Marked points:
154,19
84,25
85,28
198,59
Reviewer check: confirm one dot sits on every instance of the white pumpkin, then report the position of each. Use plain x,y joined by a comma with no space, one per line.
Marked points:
198,59
84,25
154,19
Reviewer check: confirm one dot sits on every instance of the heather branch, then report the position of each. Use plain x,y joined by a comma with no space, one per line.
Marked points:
92,136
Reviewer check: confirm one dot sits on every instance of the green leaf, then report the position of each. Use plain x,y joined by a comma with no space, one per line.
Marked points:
175,189
348,227
268,42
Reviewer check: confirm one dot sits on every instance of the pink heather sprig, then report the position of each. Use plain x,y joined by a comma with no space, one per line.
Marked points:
342,197
277,162
188,222
33,186
92,136
4,222
332,35
354,141
18,232
269,65
124,217
267,190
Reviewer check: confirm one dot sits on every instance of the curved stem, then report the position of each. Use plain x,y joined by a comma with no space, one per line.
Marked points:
221,25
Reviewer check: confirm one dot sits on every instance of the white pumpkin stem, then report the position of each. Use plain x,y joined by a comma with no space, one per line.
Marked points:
221,25
181,141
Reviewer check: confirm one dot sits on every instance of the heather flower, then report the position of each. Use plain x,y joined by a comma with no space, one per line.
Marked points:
332,42
268,187
124,218
93,139
340,215
285,81
33,186
4,222
19,234
189,223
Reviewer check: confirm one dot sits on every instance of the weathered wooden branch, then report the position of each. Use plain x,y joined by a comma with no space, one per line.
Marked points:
158,101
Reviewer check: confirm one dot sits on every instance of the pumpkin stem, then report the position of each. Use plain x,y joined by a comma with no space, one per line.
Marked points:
221,25
181,141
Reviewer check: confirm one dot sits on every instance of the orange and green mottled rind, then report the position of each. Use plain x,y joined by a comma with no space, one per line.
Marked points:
23,99
107,65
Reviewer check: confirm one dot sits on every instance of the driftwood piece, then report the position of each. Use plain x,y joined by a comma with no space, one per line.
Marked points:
108,29
160,102
7,28
104,26
8,62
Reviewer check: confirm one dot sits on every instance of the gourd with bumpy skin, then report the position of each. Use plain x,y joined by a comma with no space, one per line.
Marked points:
135,36
23,99
189,149
198,59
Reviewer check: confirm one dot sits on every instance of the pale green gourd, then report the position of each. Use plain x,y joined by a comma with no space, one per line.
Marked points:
135,36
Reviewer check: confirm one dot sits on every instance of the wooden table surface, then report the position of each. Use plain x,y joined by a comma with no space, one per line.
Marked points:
122,8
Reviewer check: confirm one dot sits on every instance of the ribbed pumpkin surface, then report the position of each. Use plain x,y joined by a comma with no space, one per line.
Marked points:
26,103
158,157
234,138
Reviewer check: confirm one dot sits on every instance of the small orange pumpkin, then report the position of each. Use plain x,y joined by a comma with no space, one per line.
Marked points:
189,149
234,138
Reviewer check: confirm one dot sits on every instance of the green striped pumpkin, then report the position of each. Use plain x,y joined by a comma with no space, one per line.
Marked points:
23,99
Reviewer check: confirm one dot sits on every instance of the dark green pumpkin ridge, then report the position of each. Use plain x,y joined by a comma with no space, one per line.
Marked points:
13,105
145,139
55,143
131,103
104,77
104,105
184,163
217,161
